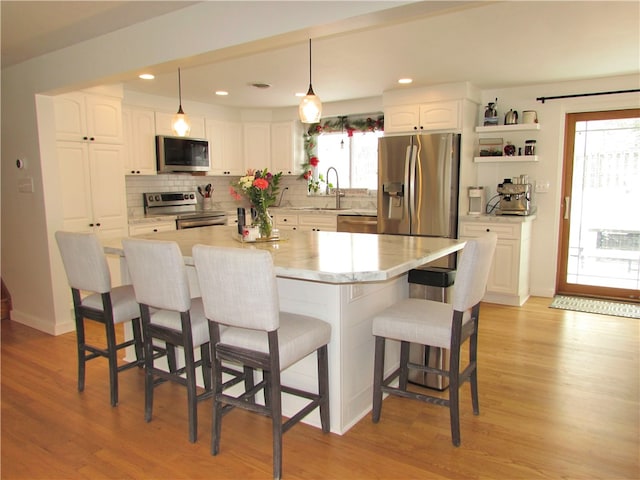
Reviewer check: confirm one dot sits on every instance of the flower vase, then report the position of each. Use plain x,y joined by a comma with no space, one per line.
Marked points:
265,224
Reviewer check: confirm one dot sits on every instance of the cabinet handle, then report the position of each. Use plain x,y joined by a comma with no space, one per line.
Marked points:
97,224
91,224
415,128
155,229
85,138
488,229
92,139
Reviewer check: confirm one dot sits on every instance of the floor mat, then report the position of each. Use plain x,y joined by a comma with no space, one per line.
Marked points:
594,305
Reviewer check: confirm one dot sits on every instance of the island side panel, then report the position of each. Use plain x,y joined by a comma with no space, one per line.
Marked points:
349,310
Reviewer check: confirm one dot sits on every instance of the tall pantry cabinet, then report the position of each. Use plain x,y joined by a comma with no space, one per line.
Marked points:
90,157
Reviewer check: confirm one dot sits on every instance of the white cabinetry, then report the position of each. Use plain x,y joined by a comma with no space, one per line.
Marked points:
509,277
286,147
139,140
143,228
164,120
257,145
312,223
423,117
93,188
83,117
225,147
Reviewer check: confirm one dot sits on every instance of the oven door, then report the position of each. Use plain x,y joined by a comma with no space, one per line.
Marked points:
183,223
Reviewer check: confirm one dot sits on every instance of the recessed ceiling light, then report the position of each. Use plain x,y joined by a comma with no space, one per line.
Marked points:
146,76
405,81
222,92
261,85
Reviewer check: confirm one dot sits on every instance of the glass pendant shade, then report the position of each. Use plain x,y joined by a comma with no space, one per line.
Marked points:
180,123
310,108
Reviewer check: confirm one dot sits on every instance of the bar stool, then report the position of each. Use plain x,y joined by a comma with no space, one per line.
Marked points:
87,270
437,324
160,282
240,292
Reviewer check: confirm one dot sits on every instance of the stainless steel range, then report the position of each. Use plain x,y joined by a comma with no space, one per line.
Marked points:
185,206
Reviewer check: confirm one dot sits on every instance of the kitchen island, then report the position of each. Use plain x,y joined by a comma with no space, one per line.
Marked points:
341,278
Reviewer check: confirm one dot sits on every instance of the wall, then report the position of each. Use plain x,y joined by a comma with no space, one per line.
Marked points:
550,144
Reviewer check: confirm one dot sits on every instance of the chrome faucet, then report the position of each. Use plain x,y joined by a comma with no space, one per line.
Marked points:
337,189
281,195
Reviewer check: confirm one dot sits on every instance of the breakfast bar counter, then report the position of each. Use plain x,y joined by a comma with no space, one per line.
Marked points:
341,278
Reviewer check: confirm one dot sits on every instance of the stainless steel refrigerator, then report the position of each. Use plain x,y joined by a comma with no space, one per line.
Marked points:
418,188
418,184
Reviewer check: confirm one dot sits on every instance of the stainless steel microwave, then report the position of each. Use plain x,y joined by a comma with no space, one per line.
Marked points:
181,154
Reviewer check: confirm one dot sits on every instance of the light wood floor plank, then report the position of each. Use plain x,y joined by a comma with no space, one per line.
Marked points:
559,398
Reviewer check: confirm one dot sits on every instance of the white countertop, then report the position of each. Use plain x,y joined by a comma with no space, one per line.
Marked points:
328,257
498,218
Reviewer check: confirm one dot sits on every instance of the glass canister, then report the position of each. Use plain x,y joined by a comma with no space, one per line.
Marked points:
530,147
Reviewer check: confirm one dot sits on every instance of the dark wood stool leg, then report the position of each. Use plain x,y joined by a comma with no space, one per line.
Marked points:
323,387
378,375
404,365
80,338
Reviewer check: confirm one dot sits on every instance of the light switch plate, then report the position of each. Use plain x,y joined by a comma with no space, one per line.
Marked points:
25,185
542,186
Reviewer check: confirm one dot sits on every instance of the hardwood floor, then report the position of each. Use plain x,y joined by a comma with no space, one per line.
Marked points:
559,398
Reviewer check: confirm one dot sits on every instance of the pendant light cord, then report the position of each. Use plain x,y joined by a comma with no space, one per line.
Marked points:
179,89
309,62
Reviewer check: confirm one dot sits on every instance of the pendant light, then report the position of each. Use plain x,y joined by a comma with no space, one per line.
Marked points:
180,123
310,107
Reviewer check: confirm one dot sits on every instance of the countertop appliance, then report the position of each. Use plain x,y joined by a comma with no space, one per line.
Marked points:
515,198
418,189
184,205
181,154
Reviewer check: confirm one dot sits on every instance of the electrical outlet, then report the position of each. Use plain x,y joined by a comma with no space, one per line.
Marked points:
542,186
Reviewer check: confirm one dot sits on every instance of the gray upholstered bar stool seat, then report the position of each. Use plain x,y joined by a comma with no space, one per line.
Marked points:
160,282
239,290
87,270
437,324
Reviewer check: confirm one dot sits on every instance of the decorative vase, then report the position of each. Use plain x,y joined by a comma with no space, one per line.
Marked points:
265,223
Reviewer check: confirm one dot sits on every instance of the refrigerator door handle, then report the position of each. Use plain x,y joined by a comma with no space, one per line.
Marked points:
410,172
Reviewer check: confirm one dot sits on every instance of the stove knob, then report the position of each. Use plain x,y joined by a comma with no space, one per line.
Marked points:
192,196
186,196
157,198
150,199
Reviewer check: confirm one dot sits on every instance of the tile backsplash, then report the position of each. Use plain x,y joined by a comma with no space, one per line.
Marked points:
295,194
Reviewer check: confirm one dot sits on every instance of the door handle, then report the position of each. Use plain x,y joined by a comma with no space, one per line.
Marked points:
567,202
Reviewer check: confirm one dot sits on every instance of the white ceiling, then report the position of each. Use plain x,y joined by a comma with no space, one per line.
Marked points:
490,44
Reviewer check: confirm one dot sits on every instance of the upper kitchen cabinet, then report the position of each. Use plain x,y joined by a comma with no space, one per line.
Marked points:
83,117
423,117
139,141
286,147
164,120
225,147
256,137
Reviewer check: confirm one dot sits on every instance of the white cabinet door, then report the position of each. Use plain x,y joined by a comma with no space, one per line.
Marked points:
139,140
508,281
440,115
318,223
401,118
257,145
84,117
225,147
423,117
286,152
163,125
93,188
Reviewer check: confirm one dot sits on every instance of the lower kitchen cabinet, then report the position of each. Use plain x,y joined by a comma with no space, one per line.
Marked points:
509,276
143,228
311,223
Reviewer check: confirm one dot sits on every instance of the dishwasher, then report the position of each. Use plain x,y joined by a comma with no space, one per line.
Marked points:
358,223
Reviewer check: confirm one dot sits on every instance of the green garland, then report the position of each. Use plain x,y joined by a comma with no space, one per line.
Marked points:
340,124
